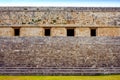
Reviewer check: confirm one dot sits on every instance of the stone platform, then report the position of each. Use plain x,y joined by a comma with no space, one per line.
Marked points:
59,55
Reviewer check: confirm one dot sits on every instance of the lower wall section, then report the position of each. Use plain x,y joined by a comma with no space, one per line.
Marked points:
73,53
60,52
85,32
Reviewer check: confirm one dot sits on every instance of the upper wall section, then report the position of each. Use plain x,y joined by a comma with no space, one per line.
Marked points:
60,16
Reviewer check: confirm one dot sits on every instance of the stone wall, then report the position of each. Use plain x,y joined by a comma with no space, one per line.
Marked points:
6,32
31,32
59,52
33,20
85,32
108,31
60,16
58,32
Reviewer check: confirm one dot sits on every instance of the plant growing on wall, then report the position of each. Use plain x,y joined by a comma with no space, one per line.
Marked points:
39,20
54,21
23,23
33,20
30,23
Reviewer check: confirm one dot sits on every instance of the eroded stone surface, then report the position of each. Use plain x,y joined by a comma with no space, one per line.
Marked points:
60,16
60,52
32,20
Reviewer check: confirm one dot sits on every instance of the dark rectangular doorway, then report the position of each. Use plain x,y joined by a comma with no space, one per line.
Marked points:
70,32
93,32
47,32
16,32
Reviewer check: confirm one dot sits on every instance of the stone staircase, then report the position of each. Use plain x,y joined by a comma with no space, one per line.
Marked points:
58,71
59,55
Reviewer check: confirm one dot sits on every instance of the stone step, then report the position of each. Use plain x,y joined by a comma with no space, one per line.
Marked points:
59,71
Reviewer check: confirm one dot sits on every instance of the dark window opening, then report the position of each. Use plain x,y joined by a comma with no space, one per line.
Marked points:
47,32
16,32
70,32
93,32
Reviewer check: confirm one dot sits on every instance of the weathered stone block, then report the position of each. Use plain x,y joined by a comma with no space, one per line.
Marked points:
58,31
31,32
82,32
108,31
6,32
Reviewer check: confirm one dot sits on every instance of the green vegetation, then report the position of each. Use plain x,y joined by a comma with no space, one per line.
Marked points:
35,21
23,23
106,77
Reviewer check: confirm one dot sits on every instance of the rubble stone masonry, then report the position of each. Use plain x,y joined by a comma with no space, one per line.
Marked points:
33,20
59,52
32,51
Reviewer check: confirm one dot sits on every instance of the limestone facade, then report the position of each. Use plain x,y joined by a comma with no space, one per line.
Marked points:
34,20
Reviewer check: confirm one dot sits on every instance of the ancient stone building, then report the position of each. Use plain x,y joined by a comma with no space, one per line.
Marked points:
93,48
43,21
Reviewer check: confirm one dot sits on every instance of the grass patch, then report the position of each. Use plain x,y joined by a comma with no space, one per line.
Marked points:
107,77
